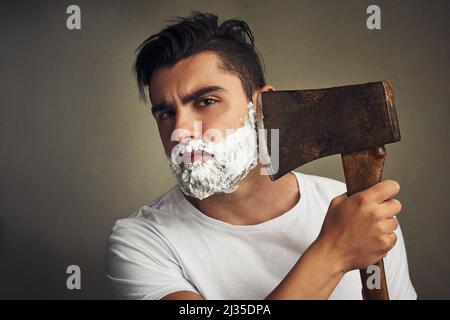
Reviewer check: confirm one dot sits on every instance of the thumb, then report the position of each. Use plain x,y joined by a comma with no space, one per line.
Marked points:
337,200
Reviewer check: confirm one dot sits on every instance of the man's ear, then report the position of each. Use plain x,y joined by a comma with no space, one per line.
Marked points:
265,88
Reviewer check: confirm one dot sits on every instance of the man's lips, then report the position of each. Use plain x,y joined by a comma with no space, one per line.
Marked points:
196,156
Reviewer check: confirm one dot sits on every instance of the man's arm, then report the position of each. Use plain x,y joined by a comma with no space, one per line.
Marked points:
357,231
314,276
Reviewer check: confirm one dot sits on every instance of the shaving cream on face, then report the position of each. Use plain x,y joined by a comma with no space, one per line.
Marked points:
233,158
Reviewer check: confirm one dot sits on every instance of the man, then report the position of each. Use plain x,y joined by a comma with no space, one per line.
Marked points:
226,231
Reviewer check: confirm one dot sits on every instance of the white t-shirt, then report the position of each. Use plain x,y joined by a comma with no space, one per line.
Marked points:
170,246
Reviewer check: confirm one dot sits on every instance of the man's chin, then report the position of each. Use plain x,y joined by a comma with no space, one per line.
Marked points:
199,190
196,194
204,192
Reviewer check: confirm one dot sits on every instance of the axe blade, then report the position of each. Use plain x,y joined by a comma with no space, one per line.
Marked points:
321,122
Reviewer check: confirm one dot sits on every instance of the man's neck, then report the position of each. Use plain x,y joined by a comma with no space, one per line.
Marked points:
256,200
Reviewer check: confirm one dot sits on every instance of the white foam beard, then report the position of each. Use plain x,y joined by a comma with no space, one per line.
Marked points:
233,158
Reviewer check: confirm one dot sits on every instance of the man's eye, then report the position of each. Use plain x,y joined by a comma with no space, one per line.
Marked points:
165,115
206,102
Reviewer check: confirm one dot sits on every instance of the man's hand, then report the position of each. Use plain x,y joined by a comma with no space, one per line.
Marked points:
359,230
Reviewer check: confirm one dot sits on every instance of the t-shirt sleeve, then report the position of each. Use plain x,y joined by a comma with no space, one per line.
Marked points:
397,271
140,263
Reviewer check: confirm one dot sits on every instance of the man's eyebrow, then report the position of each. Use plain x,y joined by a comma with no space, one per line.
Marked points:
201,92
161,106
191,96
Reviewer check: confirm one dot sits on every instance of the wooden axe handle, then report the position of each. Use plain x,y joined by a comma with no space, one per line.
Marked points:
362,170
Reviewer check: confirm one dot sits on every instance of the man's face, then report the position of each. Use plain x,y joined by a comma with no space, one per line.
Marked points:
206,124
196,89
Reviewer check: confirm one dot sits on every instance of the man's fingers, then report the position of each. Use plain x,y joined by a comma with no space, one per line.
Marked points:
391,207
384,190
392,237
390,225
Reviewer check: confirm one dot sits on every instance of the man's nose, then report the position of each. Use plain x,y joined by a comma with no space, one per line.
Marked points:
186,128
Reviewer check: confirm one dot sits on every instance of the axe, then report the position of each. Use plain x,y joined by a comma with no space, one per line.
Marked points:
355,121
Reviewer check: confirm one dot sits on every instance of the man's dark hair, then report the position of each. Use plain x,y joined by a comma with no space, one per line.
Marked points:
233,41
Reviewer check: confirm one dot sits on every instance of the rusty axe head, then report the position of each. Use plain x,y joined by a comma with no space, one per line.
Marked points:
316,123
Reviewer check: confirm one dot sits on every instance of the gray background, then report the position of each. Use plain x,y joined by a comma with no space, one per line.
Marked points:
78,149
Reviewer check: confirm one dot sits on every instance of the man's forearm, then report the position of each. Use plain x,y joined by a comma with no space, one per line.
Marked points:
314,276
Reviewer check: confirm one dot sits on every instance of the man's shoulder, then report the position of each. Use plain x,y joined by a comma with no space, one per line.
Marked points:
162,212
